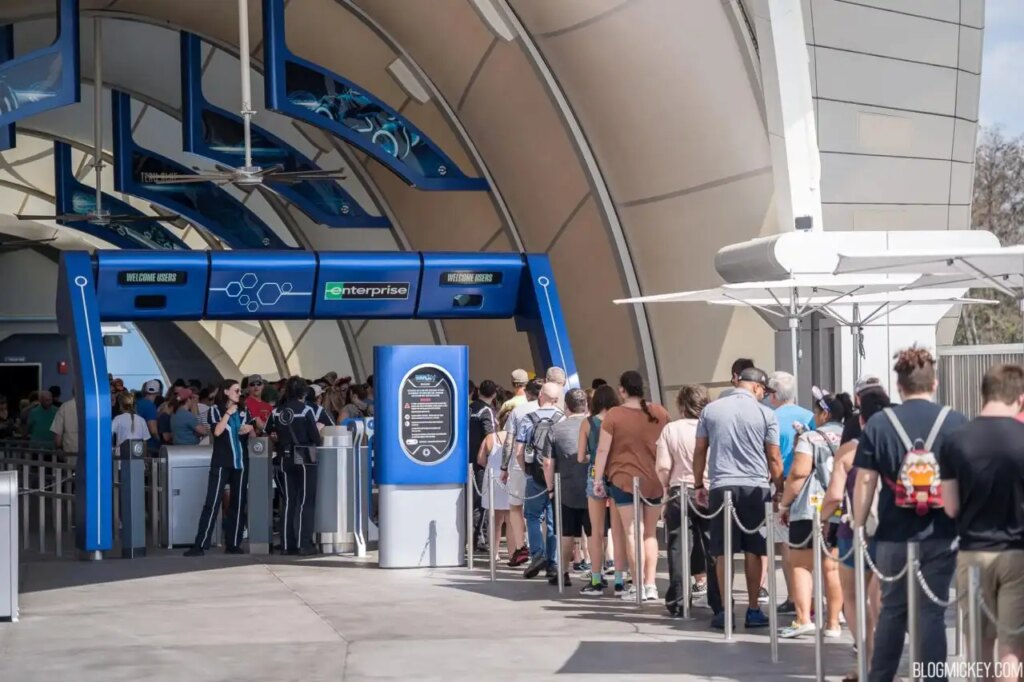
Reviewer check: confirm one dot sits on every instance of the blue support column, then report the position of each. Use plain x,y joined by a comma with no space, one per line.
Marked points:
540,316
79,320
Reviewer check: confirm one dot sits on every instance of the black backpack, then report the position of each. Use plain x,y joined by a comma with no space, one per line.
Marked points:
538,448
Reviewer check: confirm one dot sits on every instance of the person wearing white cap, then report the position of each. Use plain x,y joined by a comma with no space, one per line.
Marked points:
146,408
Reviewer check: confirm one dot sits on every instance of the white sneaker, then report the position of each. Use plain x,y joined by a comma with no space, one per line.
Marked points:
629,594
832,634
796,630
650,593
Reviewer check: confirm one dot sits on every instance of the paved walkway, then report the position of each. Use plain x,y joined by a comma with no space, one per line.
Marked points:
246,618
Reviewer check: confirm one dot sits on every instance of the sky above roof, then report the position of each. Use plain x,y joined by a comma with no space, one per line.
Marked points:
1002,102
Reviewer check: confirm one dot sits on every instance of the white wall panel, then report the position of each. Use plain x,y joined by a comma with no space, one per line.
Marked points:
960,218
946,10
965,136
961,183
970,49
875,179
968,95
862,129
859,217
864,29
885,82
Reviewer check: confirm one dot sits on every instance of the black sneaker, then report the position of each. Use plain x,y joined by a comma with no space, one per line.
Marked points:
537,564
553,579
762,596
519,557
592,590
786,607
308,551
551,571
195,551
619,588
234,550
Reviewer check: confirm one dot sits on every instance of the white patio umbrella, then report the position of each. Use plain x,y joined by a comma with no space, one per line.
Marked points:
790,299
1001,268
877,306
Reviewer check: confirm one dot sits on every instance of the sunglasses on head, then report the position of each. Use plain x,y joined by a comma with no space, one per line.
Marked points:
256,383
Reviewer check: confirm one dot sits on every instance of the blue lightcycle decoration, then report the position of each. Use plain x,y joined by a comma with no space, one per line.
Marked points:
7,135
311,93
202,203
43,79
74,197
217,134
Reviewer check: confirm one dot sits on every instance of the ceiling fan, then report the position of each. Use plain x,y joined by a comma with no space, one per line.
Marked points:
18,244
97,216
248,175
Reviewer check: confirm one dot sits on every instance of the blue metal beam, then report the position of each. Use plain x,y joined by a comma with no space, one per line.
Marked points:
7,136
217,134
307,91
43,79
201,203
74,197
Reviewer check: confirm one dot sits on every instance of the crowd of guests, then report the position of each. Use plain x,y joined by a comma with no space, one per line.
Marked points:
896,470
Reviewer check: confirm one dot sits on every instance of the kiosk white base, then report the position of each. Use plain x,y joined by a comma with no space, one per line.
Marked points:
422,526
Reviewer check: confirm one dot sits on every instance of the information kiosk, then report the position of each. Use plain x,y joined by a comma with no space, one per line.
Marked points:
421,450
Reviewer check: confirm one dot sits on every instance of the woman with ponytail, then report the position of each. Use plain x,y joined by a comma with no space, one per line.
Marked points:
128,425
627,449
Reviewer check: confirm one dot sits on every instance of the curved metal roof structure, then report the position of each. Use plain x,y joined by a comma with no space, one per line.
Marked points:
627,139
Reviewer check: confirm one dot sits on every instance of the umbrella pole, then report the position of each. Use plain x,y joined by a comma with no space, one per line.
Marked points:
856,341
794,348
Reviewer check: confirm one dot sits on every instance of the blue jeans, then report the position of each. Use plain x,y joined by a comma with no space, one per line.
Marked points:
536,508
938,562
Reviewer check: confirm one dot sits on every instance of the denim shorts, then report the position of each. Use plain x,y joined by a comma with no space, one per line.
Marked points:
590,487
844,547
621,498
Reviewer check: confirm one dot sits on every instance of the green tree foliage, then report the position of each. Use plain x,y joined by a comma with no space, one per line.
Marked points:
998,206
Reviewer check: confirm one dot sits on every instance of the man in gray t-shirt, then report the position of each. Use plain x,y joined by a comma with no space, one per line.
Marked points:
738,442
565,437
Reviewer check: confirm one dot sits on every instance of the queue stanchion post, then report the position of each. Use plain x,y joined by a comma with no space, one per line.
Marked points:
973,618
773,601
913,608
638,544
958,626
58,511
819,597
492,533
727,583
684,548
860,634
558,532
469,517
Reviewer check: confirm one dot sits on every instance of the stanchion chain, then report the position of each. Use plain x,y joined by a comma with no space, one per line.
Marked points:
992,617
668,498
748,531
504,487
706,517
804,543
927,590
476,486
826,551
874,569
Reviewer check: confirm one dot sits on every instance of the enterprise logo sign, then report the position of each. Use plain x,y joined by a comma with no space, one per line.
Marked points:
366,291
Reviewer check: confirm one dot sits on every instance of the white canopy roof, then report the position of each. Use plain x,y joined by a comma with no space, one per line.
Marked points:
1001,268
797,291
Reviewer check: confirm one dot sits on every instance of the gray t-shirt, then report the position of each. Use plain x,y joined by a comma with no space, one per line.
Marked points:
738,428
565,437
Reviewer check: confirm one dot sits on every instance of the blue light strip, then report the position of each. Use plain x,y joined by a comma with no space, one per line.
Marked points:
217,134
43,79
202,203
74,197
309,92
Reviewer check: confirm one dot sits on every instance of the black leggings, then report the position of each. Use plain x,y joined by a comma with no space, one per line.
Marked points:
235,521
700,560
297,486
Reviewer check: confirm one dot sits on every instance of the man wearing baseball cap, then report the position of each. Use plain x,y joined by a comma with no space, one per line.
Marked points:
254,403
146,408
738,444
519,380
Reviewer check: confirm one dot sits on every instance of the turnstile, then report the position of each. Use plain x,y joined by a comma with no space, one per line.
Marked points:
260,505
342,493
185,471
9,545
